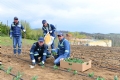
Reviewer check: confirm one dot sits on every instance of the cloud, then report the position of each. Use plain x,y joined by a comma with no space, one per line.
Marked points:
90,15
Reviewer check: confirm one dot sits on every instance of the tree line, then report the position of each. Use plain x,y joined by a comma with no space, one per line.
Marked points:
32,34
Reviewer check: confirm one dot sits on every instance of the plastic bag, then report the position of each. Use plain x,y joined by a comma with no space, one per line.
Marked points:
48,39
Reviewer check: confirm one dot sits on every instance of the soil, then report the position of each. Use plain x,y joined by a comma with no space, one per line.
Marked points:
107,57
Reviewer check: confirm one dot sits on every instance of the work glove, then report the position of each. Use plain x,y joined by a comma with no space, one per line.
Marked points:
44,34
0,63
41,63
24,30
50,31
33,65
10,36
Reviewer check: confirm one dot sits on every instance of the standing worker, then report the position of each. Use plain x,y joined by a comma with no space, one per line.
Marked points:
39,49
63,50
49,28
15,33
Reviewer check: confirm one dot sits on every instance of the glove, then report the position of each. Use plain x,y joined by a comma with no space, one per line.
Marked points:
50,31
24,30
11,36
33,65
44,34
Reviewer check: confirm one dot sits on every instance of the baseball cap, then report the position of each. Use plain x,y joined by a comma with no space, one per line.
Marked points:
41,39
15,18
44,21
60,33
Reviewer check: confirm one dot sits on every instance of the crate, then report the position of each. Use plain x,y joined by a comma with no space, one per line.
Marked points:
76,66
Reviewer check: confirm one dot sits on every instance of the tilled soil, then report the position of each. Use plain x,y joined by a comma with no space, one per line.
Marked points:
101,57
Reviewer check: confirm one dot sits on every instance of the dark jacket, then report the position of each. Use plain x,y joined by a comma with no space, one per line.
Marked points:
15,29
50,28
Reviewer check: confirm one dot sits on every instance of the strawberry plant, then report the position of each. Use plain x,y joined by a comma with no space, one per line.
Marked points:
69,69
18,76
99,78
9,70
116,78
74,72
34,77
41,64
91,74
74,60
55,67
1,67
54,54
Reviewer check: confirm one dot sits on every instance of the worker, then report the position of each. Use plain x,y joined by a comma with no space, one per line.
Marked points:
63,50
39,49
16,35
49,28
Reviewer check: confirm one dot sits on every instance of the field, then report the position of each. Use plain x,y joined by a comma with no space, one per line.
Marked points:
105,63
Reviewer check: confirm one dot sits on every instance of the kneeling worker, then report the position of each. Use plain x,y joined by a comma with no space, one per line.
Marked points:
39,49
63,50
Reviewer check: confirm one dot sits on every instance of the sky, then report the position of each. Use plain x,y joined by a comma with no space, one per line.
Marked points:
91,16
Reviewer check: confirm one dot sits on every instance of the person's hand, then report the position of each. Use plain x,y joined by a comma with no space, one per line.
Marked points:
10,36
61,59
50,31
24,30
32,65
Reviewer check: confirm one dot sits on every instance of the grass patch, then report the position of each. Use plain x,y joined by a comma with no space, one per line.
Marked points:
6,41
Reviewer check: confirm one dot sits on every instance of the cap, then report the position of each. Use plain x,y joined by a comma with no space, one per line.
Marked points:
15,18
44,21
41,39
60,33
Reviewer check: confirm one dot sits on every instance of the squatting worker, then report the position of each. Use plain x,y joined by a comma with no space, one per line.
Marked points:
39,49
63,50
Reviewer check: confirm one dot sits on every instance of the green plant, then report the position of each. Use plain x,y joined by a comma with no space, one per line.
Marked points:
54,54
115,77
55,67
69,69
1,67
74,60
75,72
18,76
91,74
99,78
43,66
34,77
9,70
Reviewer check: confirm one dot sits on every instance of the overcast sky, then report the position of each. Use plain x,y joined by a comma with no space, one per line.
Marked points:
92,16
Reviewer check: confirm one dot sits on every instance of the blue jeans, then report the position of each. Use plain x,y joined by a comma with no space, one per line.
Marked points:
17,40
57,59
